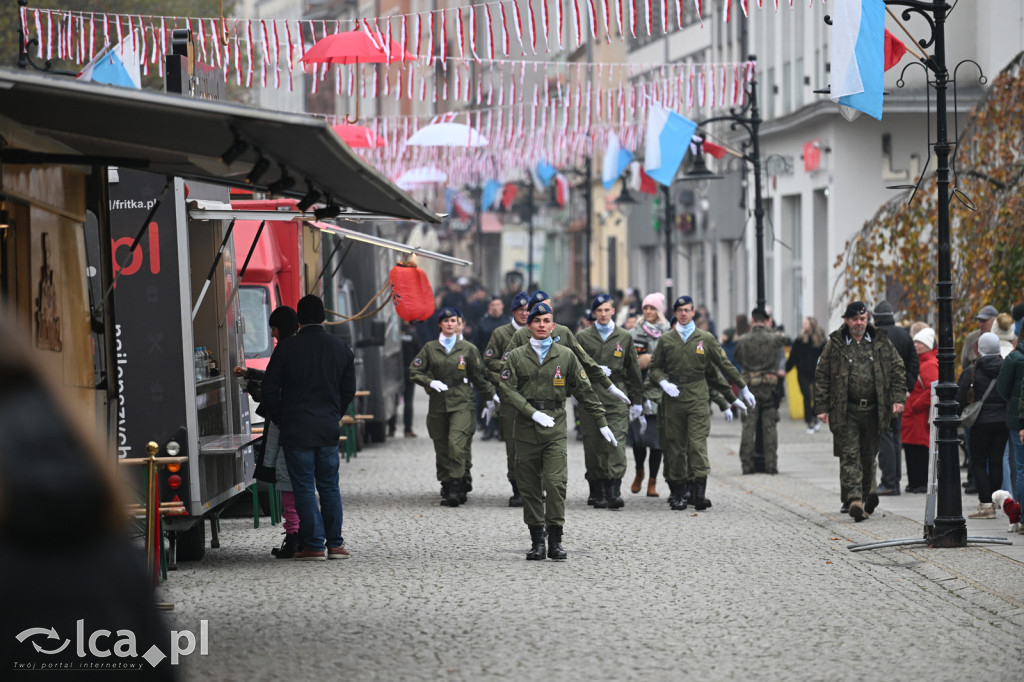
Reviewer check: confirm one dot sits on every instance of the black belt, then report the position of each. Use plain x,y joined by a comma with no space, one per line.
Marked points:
863,402
547,404
687,380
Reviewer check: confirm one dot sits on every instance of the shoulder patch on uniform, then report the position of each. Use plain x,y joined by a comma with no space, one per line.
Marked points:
506,374
489,352
505,356
556,339
418,362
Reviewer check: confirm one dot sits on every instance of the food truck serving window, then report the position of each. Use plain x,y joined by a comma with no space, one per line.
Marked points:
255,302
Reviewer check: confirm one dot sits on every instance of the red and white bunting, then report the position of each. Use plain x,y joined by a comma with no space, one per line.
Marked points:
472,33
558,22
544,23
648,16
531,23
490,32
577,29
444,46
517,21
504,31
726,10
458,32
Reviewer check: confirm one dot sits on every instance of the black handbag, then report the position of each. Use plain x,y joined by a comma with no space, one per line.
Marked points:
262,472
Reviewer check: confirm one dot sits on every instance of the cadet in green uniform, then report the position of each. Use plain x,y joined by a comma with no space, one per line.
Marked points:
686,360
612,349
445,368
492,362
758,354
535,380
861,379
563,336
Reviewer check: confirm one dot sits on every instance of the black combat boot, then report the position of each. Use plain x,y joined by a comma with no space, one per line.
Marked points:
555,550
614,494
600,494
516,500
536,552
673,492
593,492
700,501
467,484
451,498
464,487
681,501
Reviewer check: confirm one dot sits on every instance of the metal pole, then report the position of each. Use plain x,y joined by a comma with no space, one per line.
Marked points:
479,250
950,529
529,225
670,219
588,190
755,158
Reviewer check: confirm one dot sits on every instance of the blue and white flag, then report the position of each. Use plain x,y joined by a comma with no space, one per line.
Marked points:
546,172
118,65
858,55
666,142
616,159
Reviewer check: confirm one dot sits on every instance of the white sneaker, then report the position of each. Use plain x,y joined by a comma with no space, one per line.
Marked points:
811,429
817,426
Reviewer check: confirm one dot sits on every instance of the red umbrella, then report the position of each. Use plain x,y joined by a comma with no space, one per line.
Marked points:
358,137
356,47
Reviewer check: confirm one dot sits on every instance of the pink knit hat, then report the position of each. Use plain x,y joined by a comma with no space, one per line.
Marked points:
657,300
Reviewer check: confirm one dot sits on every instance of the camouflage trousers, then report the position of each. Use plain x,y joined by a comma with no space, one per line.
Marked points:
855,443
769,415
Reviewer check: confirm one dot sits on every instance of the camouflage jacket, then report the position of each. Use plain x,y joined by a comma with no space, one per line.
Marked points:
836,366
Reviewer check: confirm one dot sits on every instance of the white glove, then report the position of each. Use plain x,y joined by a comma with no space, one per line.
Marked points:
488,411
614,390
543,419
728,414
649,406
574,401
607,371
671,390
439,386
608,435
749,397
496,399
741,409
635,411
643,424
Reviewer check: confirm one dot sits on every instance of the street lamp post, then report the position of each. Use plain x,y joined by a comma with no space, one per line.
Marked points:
529,227
670,219
749,118
588,195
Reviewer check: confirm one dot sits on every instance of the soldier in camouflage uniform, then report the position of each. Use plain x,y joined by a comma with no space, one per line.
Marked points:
492,362
445,368
564,337
612,348
860,378
686,361
535,380
758,354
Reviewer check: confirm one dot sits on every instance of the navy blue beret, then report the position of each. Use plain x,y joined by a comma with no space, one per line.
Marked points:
539,309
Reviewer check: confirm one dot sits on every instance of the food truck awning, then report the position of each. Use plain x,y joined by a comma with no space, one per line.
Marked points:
205,140
207,210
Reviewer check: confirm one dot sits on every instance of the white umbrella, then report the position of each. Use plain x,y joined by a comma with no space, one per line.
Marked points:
418,177
446,135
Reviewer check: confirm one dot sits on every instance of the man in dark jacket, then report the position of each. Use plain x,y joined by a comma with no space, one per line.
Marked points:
859,385
309,384
494,318
890,448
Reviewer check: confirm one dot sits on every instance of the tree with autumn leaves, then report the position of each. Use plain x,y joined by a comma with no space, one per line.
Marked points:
986,207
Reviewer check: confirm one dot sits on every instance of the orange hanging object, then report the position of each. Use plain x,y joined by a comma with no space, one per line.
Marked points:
412,294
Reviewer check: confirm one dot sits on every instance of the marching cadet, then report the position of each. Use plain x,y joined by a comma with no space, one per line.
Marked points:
758,353
445,368
612,348
684,363
563,336
492,362
535,380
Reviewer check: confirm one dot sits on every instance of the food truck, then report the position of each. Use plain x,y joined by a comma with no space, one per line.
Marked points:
109,269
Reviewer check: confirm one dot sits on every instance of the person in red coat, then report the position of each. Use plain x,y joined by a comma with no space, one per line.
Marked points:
916,431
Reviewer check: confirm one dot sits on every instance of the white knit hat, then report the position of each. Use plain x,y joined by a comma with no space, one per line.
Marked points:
988,344
926,337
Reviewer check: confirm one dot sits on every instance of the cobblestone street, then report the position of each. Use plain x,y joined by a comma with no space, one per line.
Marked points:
760,587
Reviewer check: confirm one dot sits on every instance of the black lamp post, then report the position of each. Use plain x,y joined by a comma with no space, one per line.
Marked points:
670,219
749,118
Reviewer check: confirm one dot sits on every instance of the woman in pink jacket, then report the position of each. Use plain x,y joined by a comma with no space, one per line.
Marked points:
916,430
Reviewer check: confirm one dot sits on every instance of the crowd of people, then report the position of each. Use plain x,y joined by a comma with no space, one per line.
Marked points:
643,380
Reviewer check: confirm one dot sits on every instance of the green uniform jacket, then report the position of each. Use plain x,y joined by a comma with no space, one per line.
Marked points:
695,366
832,377
619,355
525,378
495,350
457,369
562,336
758,354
